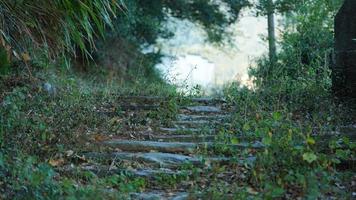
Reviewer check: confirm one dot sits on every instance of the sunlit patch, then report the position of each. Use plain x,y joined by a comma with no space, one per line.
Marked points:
188,71
191,61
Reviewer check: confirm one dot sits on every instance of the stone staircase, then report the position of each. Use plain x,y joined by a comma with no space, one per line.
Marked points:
187,151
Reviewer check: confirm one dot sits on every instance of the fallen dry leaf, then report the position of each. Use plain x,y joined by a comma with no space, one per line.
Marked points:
99,137
56,162
25,57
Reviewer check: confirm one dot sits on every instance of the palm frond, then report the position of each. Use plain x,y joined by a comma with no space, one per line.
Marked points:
59,25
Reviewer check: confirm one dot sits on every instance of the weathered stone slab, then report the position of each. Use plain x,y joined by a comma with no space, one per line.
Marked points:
197,138
148,196
182,138
173,147
153,173
175,131
184,117
190,123
204,109
159,195
166,160
197,109
181,196
138,146
207,100
344,70
104,170
197,123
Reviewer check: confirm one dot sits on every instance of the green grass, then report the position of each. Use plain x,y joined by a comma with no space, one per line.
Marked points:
37,126
296,161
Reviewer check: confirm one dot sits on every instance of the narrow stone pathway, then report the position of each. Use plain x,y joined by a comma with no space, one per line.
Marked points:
180,152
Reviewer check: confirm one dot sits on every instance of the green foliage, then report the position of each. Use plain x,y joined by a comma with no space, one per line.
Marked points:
57,26
295,152
306,48
291,108
36,125
301,76
25,178
288,111
33,181
4,62
167,111
143,22
144,19
263,7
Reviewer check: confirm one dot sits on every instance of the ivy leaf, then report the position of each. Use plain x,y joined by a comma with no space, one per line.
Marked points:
234,141
310,141
336,161
246,127
277,116
274,191
277,192
267,141
309,157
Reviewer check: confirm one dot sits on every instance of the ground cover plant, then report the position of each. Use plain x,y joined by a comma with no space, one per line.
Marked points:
117,130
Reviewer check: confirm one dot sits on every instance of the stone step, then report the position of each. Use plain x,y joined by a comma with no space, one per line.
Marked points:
157,159
198,138
195,123
146,146
184,109
187,117
207,100
182,138
179,134
160,195
179,131
147,172
191,122
202,109
202,124
105,170
173,147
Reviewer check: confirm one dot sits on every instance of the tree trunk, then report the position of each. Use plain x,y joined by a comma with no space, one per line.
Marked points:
271,32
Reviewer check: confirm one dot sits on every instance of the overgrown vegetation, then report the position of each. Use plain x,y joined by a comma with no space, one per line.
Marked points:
46,109
300,148
40,126
293,112
54,26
